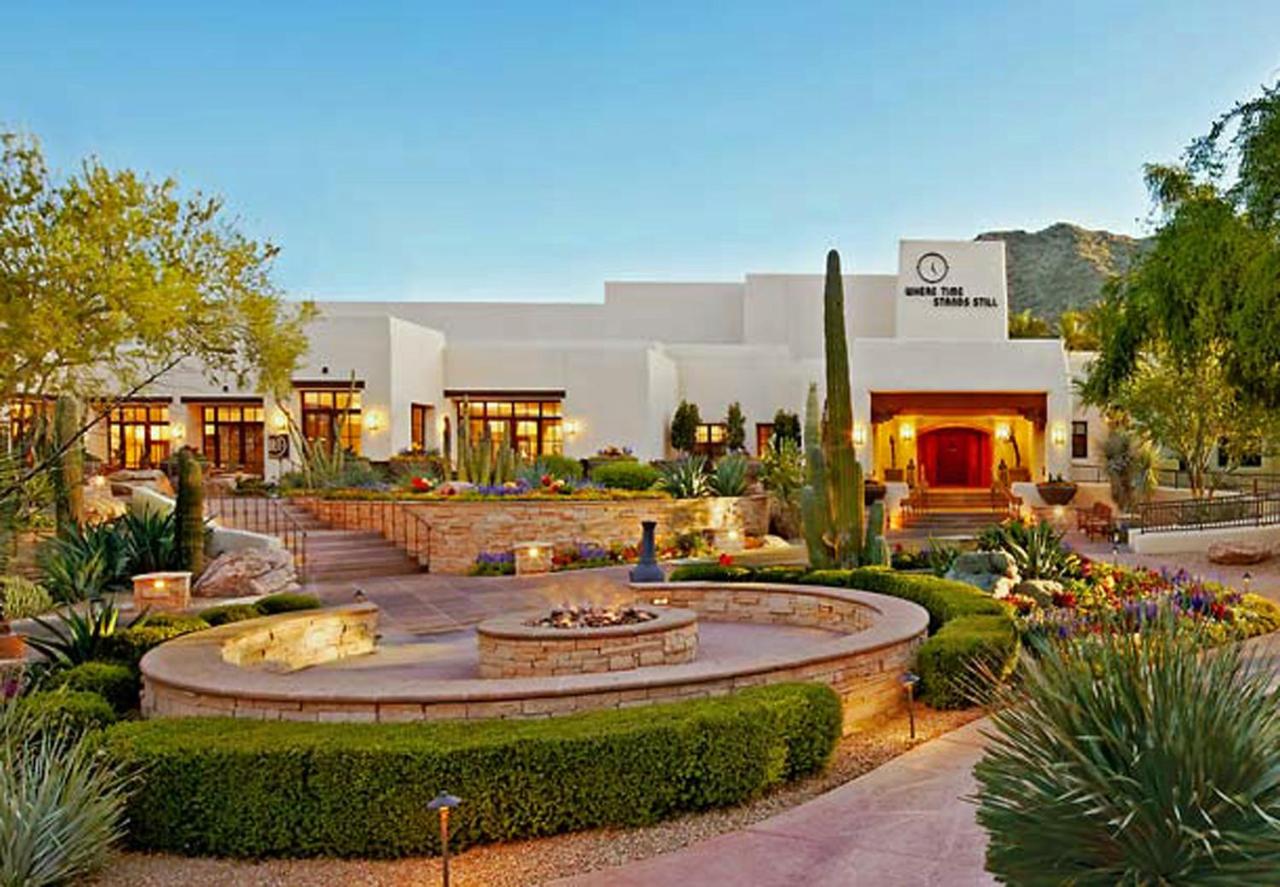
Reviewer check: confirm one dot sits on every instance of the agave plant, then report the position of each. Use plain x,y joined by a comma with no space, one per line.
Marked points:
83,563
1036,549
729,478
1134,759
77,637
685,478
149,541
64,801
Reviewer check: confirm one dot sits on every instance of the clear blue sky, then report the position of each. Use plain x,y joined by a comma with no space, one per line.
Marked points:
531,151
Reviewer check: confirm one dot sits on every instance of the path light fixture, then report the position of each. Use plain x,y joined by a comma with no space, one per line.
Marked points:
1247,577
443,803
909,680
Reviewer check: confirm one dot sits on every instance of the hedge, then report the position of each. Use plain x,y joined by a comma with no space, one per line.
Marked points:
969,629
277,788
115,682
226,613
131,644
77,710
625,475
285,602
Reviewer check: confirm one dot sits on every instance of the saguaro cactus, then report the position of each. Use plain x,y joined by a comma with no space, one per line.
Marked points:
876,553
189,512
813,498
844,474
69,473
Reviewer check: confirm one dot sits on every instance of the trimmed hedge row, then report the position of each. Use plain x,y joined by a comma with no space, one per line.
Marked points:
78,710
115,682
251,789
970,631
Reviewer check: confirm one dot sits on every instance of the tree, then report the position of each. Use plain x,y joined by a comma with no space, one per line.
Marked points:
735,428
684,427
1077,329
109,280
786,426
1025,325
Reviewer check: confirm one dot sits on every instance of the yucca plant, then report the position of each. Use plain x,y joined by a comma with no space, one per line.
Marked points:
149,541
729,477
1134,758
75,637
1036,549
685,478
64,802
83,563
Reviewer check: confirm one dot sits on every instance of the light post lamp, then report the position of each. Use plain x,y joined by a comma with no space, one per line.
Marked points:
444,802
909,680
1247,577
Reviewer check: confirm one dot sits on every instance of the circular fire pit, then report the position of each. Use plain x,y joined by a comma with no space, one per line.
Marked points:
582,640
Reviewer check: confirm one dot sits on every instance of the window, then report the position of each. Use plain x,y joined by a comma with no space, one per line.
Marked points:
138,435
709,439
1079,440
233,436
532,427
18,424
764,437
332,415
422,416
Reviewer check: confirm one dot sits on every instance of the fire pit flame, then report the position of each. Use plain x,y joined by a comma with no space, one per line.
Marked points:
587,616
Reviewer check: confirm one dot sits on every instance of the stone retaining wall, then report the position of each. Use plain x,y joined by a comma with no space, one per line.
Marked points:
460,530
290,641
510,649
797,605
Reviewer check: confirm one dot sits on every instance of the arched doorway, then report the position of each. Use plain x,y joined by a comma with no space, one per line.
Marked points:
956,457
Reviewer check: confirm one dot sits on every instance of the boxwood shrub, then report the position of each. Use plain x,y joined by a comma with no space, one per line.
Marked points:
970,631
131,644
225,613
285,602
625,475
278,788
77,710
115,682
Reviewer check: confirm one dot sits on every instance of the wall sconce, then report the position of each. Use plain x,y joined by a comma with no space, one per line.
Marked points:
907,431
1059,434
1003,431
572,427
279,421
177,431
859,434
373,421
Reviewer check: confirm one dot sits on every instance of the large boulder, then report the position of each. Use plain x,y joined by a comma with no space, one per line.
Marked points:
1041,591
127,480
248,572
1238,553
992,571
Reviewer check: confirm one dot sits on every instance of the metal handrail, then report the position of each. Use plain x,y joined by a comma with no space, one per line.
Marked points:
394,521
261,514
1196,514
1255,483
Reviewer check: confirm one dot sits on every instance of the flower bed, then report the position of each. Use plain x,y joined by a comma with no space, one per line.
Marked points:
517,490
591,555
1105,595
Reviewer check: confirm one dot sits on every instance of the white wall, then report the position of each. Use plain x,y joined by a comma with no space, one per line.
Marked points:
971,273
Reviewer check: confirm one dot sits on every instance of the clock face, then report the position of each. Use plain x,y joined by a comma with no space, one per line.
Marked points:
932,267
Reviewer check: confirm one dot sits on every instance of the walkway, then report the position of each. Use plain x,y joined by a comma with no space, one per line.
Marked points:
905,823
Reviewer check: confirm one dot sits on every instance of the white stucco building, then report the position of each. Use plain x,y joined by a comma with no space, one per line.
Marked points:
938,386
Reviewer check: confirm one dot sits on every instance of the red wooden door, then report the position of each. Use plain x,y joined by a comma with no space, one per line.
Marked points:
956,457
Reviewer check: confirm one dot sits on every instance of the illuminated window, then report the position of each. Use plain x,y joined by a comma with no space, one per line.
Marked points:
21,422
764,437
330,415
422,416
710,438
233,436
138,435
533,427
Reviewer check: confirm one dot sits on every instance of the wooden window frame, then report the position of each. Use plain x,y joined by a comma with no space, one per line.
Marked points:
711,439
507,415
324,405
1079,439
249,416
157,438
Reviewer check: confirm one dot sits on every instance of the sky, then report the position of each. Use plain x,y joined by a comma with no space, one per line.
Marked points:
531,151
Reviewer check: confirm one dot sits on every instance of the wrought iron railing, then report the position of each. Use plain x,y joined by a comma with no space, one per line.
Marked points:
261,514
1254,483
398,522
1199,514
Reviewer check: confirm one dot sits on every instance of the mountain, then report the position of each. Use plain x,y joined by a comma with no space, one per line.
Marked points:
1062,266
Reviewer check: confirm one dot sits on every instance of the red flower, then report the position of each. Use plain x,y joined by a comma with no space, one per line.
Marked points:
726,560
547,479
422,484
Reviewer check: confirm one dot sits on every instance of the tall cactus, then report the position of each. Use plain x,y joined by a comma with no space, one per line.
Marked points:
189,512
876,553
69,473
813,498
844,473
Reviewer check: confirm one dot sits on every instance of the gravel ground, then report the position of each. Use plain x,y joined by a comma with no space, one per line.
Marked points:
536,862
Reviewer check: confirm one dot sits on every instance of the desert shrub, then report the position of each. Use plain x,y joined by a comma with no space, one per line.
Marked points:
558,466
21,598
280,788
729,477
115,682
1036,549
83,563
1125,758
63,801
149,540
685,478
285,602
227,613
623,475
77,635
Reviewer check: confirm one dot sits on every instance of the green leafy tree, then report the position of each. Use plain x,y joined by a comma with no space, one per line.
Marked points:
786,426
684,427
109,280
735,428
1078,330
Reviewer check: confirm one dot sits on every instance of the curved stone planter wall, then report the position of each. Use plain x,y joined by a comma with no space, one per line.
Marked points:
460,530
188,676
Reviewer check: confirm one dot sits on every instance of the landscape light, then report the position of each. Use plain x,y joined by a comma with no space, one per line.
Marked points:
443,803
909,681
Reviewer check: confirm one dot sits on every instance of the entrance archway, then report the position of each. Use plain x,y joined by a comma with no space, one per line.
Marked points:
956,457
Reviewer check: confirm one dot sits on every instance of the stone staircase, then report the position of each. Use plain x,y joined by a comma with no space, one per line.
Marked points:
954,512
